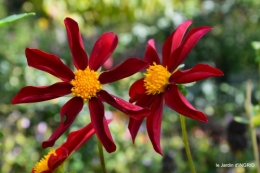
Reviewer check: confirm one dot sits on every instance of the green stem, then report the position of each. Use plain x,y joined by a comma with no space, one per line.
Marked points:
101,156
186,143
251,125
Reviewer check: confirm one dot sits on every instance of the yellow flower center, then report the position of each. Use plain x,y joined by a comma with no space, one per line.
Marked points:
85,84
156,79
42,165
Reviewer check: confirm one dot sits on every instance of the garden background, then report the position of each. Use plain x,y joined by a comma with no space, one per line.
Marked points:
230,46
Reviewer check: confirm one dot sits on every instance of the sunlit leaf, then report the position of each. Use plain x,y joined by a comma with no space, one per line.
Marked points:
14,17
189,84
182,89
241,120
256,120
256,45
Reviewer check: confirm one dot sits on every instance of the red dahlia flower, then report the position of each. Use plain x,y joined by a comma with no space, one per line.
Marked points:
160,84
55,158
85,84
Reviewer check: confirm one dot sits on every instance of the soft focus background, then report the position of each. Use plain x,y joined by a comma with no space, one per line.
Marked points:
229,46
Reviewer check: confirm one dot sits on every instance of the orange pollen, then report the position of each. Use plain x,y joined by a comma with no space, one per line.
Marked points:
85,84
156,79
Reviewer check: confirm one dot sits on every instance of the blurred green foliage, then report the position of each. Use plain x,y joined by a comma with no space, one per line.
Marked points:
228,46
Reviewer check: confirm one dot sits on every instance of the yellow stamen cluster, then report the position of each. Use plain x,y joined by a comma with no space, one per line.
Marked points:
42,165
85,84
156,79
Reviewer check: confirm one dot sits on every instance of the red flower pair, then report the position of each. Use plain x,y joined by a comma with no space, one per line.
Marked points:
85,84
160,84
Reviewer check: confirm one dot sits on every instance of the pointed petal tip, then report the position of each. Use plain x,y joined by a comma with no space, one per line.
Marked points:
14,101
220,73
204,120
158,150
189,22
68,19
151,42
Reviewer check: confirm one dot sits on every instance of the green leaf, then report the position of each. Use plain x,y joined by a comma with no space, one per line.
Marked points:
1,135
189,84
256,120
241,120
181,87
14,17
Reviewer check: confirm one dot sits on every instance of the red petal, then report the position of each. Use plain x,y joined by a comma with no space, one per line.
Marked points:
151,55
187,45
79,137
99,123
151,42
70,110
154,121
136,89
48,63
174,41
176,101
79,55
198,72
102,50
132,110
134,125
55,161
125,69
32,94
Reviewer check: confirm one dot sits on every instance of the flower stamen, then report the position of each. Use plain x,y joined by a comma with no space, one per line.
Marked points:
42,165
156,79
85,84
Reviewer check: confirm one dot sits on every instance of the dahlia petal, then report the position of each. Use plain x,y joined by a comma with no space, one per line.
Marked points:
134,125
174,41
198,72
125,69
135,97
151,42
99,123
154,121
56,160
102,50
186,46
151,55
79,55
49,63
132,110
176,101
79,137
70,110
145,100
136,89
30,94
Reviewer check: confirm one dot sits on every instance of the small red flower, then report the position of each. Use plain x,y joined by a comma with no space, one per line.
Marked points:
85,84
160,84
55,158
